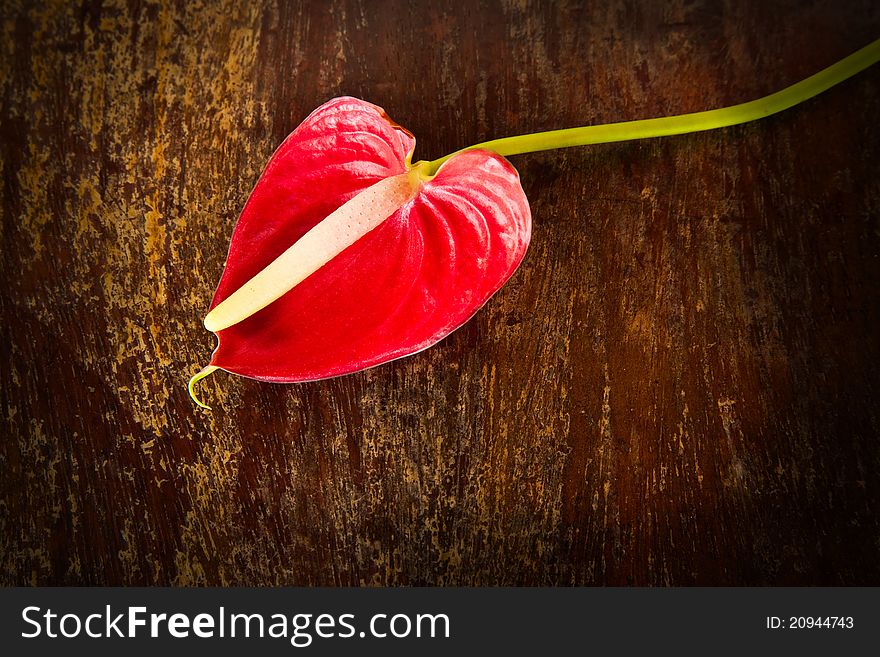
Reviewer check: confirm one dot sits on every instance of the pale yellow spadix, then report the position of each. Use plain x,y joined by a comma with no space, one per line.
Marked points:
342,228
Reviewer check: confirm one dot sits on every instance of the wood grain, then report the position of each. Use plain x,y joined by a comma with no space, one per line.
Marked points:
679,386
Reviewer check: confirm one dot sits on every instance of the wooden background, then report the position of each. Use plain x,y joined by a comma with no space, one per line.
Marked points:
679,386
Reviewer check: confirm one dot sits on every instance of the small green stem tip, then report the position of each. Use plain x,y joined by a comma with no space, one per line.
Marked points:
685,123
205,371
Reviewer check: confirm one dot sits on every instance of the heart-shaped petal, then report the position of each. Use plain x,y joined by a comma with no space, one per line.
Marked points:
400,288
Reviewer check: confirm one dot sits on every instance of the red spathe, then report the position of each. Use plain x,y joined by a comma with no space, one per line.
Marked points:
404,286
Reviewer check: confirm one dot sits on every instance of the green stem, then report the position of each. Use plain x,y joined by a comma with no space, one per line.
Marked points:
685,123
201,374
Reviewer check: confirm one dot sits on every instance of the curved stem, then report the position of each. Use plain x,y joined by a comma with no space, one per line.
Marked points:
205,371
684,123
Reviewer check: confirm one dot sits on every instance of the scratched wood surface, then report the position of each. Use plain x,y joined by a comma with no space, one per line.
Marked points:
679,386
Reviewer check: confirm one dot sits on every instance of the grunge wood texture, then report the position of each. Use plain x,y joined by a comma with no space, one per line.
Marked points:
679,386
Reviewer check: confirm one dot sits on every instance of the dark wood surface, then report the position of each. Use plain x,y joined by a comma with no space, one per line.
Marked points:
679,386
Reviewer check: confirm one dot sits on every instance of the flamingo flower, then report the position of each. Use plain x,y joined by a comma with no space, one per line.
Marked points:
348,255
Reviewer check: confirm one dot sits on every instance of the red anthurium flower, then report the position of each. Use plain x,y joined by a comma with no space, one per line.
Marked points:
435,251
347,255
